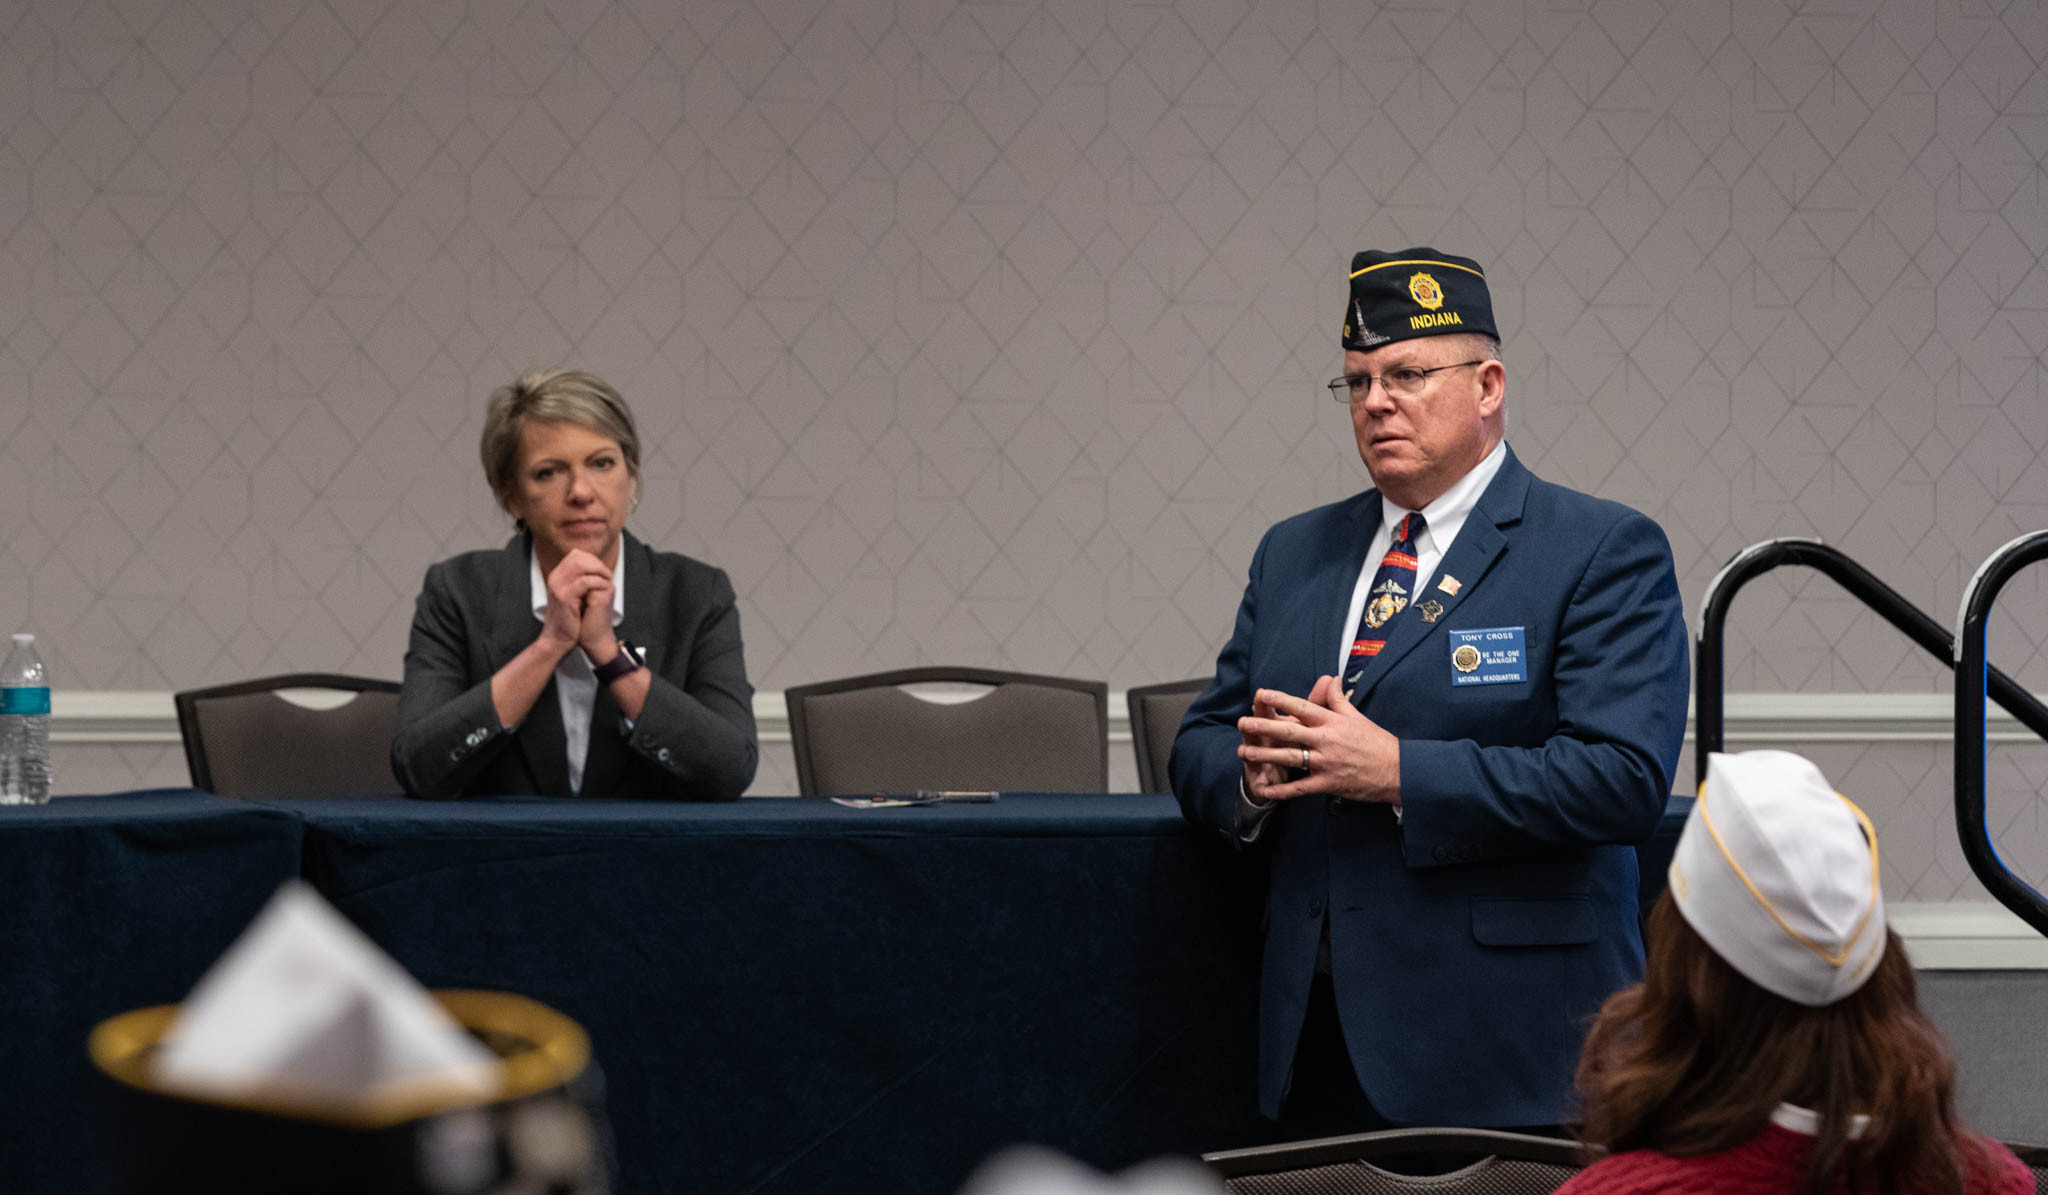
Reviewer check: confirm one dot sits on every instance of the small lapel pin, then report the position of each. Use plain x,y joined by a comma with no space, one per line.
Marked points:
1431,610
1450,585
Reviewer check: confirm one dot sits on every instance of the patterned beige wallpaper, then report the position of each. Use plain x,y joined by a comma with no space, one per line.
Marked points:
991,332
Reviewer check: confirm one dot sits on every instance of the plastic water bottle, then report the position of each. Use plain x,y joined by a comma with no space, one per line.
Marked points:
24,726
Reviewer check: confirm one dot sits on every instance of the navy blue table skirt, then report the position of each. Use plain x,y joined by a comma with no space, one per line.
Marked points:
110,903
784,995
791,996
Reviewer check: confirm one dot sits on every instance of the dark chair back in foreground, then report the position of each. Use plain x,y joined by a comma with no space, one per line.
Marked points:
1156,712
1503,1164
244,740
1025,733
2036,1158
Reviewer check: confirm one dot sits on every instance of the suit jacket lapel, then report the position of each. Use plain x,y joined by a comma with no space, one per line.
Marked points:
603,762
1340,578
541,738
1480,542
646,597
606,762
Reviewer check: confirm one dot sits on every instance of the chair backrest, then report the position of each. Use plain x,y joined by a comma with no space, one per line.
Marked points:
1027,733
1503,1164
1156,712
243,740
2036,1159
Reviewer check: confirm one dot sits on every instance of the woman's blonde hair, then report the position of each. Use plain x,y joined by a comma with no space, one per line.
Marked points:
551,396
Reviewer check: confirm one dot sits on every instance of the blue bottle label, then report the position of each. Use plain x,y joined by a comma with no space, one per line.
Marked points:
26,702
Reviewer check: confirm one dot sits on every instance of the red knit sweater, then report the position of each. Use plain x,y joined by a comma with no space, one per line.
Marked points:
1771,1163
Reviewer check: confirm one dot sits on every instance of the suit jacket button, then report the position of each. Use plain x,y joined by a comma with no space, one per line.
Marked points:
1438,853
662,755
1315,907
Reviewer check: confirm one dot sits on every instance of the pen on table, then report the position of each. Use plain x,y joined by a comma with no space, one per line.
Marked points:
964,798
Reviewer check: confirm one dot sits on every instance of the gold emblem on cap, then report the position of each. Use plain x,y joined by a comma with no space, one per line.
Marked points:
1466,658
1450,585
1424,290
1430,610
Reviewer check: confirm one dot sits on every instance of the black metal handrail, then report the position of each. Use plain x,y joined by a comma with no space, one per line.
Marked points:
1971,667
1709,706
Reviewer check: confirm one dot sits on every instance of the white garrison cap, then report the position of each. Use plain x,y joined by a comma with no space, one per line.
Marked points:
1778,872
1036,1170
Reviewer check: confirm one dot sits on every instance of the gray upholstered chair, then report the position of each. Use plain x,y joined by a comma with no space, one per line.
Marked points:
1025,733
1502,1164
1156,712
243,740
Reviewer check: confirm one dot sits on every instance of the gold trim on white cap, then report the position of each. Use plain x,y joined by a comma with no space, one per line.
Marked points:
1833,958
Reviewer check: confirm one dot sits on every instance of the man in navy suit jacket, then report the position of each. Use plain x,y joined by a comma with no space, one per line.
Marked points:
1446,743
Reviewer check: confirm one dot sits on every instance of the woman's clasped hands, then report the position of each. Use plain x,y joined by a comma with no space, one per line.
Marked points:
579,610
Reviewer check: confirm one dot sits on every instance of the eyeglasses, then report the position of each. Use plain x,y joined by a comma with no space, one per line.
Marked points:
1402,381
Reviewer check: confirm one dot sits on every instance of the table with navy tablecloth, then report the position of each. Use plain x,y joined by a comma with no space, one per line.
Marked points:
111,903
790,995
783,995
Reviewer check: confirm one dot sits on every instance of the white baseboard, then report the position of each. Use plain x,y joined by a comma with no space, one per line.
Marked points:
115,718
1967,936
78,716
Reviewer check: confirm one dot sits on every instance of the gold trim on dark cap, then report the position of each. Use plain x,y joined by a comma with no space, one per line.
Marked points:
537,1047
1412,293
1448,265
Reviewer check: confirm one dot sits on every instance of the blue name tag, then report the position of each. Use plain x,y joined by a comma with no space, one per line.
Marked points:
1489,656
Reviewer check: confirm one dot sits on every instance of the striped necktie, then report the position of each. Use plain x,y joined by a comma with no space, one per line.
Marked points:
1392,589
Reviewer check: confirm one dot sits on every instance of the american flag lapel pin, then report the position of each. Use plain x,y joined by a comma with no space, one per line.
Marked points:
1450,585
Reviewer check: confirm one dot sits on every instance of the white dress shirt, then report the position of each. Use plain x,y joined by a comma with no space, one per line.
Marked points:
1442,520
1806,1122
575,683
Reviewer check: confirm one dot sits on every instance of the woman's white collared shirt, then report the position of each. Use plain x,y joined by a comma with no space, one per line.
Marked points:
1806,1122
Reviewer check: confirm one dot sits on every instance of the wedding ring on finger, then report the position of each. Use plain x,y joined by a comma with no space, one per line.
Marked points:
1304,759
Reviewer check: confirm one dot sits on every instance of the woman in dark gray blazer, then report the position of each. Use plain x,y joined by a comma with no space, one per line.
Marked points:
575,660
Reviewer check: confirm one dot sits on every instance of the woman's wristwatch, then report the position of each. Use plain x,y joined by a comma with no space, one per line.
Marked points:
619,665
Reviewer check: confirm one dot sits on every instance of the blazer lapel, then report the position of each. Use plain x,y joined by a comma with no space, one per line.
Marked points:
1480,542
1339,579
541,738
646,596
605,765
512,622
545,743
603,762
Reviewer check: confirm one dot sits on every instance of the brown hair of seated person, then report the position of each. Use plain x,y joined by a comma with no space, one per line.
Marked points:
1694,1059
